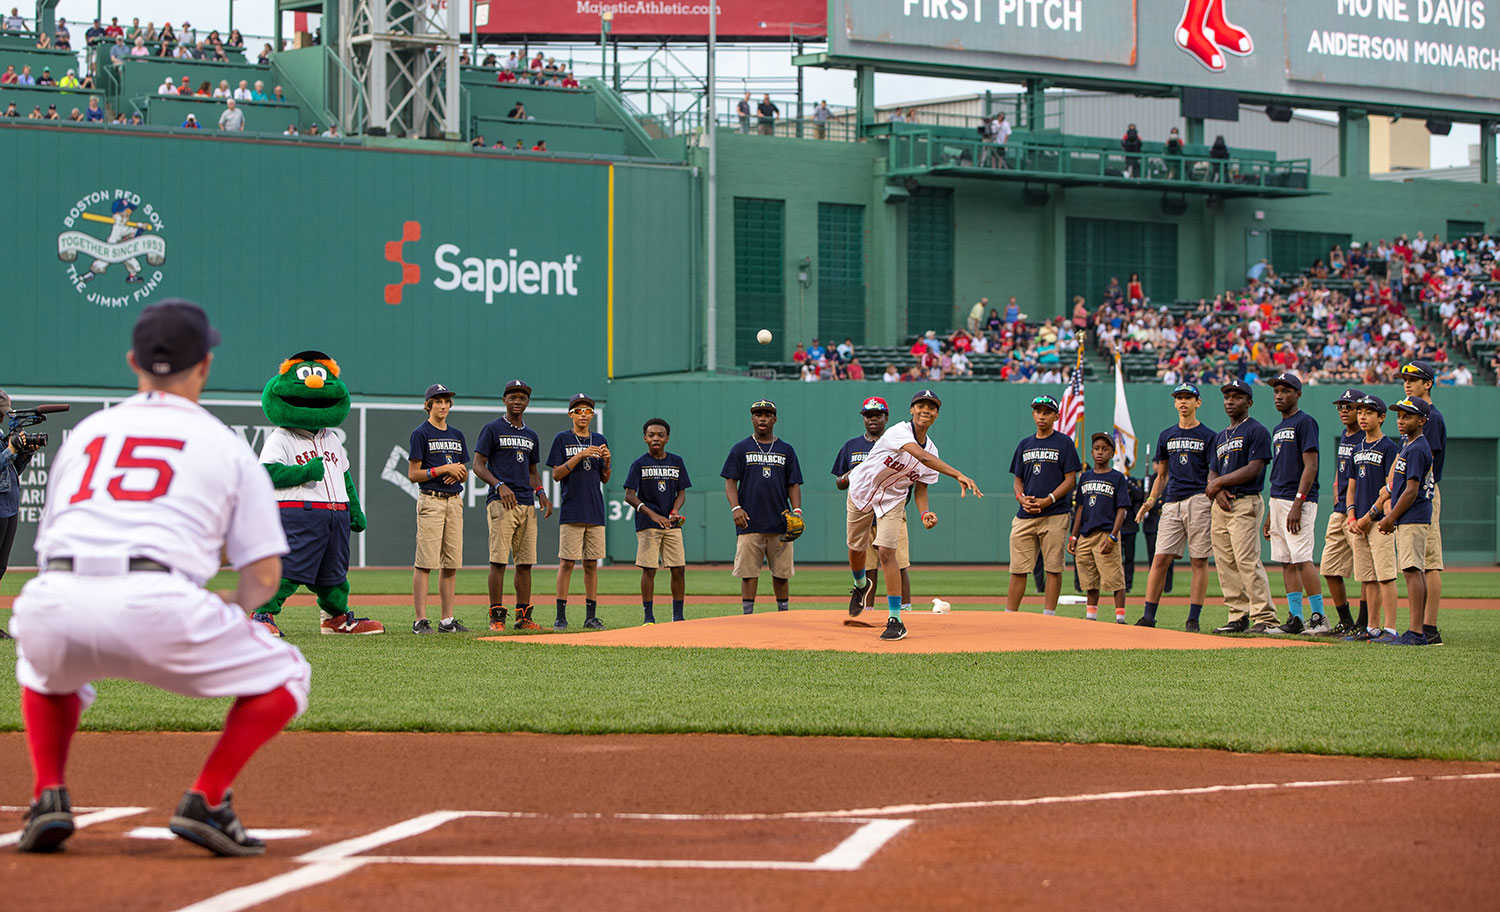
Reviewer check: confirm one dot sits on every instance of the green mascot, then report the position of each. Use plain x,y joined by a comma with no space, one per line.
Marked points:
309,467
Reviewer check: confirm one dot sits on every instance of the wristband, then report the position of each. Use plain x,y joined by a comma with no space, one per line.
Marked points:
540,490
797,512
740,508
431,473
1301,496
1072,538
1051,499
1114,538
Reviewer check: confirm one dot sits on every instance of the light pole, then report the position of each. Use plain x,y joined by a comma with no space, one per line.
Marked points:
604,21
711,261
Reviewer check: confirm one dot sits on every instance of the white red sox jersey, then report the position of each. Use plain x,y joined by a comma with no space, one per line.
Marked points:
159,477
882,480
294,446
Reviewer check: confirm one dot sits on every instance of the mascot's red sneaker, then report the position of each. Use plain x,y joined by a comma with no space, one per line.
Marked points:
349,624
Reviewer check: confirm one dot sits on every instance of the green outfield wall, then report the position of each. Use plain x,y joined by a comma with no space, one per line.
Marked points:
516,267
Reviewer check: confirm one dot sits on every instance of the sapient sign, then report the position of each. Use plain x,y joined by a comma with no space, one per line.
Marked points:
512,274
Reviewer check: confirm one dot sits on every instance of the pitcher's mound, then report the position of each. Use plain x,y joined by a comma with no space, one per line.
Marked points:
962,631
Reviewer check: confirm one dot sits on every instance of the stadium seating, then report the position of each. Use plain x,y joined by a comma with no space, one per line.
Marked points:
593,139
172,110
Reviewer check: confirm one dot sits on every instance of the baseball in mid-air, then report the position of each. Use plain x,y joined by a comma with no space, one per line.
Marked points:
764,336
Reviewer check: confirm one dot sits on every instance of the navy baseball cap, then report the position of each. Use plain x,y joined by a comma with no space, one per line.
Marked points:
577,400
517,385
1186,389
1371,401
1287,378
1352,396
171,336
927,396
874,404
1100,435
762,405
437,389
1413,407
1046,402
1237,384
1419,370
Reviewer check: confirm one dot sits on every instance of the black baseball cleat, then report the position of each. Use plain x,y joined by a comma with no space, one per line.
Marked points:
1292,627
1265,627
593,623
422,626
48,823
1434,638
451,625
1240,626
1191,626
217,829
894,630
1144,621
857,597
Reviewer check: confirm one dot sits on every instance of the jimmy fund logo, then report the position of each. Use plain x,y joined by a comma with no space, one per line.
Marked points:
133,234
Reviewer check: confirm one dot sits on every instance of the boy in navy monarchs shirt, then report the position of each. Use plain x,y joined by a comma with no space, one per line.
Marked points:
580,462
1293,515
1236,474
876,414
761,480
1102,501
1338,548
438,463
1410,516
1416,381
505,458
1374,554
1182,457
656,487
1046,467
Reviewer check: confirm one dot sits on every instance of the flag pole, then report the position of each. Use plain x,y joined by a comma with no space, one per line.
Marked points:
1078,432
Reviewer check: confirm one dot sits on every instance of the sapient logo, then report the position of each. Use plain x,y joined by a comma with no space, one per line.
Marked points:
507,275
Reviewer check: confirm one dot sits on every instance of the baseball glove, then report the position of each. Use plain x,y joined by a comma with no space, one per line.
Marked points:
794,526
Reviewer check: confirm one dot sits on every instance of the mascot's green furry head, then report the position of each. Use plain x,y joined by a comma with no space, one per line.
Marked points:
306,393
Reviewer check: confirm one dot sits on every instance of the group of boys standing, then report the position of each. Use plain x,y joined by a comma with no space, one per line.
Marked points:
1385,516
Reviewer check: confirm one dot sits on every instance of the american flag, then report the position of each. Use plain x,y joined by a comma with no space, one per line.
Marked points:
1070,421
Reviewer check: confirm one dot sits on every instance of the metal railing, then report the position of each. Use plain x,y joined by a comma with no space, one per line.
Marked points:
916,152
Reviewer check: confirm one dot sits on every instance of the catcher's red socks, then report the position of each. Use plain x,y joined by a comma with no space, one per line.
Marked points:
252,721
50,721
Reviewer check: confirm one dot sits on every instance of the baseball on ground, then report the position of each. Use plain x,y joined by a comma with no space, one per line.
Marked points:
764,336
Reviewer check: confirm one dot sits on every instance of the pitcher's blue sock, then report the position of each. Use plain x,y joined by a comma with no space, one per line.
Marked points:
1150,611
859,578
894,601
747,605
650,618
1315,604
676,609
1294,604
1194,611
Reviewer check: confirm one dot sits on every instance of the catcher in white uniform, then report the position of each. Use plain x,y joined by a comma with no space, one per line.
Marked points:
141,500
904,458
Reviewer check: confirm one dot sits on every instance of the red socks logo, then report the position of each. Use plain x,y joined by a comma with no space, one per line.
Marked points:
411,273
1204,32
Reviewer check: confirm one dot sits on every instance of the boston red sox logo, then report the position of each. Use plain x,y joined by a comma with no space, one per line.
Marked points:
1204,32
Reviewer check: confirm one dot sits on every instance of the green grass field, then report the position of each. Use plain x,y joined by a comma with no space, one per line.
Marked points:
1340,699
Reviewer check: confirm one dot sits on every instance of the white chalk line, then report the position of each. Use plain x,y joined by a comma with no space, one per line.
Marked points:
164,833
337,859
334,861
101,815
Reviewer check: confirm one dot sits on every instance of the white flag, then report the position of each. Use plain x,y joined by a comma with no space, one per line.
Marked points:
1124,431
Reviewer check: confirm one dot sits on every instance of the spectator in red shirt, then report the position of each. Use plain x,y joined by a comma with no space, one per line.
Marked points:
800,353
856,370
113,29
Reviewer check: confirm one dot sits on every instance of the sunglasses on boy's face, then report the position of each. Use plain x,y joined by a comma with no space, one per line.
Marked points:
581,410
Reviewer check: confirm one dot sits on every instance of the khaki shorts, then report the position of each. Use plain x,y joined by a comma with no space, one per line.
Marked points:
903,551
1105,572
1286,547
512,533
1044,536
440,532
580,541
754,548
1338,554
863,531
1189,522
659,548
1435,536
1374,555
1412,544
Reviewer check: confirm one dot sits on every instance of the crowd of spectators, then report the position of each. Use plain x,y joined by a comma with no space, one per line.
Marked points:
820,362
538,71
1359,329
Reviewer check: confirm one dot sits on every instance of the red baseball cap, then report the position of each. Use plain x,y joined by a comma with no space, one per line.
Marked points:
874,404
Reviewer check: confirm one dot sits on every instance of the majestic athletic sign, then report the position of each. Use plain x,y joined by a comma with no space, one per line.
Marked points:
1433,55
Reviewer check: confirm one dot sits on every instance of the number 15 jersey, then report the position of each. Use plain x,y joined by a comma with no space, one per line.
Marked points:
158,476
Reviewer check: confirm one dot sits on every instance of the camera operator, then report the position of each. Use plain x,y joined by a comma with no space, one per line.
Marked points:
15,456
